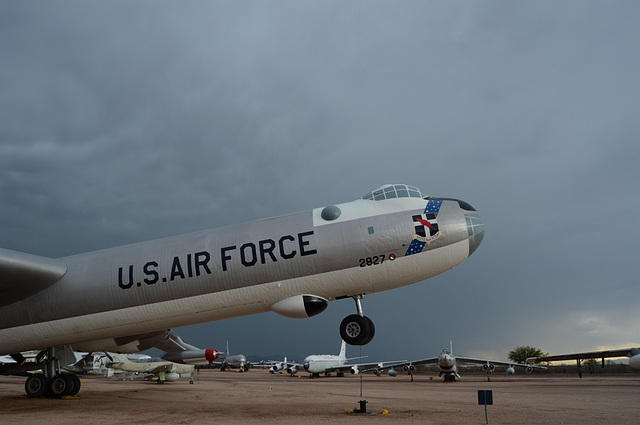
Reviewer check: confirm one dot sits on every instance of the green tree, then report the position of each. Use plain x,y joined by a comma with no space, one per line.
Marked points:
591,365
520,354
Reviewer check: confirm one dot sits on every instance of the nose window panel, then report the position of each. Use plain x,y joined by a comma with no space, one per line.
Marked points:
390,191
475,230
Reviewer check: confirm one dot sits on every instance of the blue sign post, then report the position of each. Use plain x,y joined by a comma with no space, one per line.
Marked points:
485,397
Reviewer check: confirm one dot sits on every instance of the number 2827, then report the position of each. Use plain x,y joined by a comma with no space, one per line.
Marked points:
372,261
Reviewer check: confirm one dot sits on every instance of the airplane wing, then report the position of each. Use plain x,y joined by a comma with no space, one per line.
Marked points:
266,364
8,366
471,360
24,274
161,368
369,367
172,343
626,352
429,360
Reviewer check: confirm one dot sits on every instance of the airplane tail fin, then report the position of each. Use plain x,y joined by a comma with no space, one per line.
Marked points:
97,362
343,349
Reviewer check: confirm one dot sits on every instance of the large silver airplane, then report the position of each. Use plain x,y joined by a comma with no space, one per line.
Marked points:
633,354
448,364
123,299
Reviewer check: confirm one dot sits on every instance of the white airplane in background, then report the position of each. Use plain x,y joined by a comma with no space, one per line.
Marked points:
276,366
448,365
632,353
124,299
317,364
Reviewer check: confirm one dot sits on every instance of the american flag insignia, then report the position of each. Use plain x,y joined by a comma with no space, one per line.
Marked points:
426,227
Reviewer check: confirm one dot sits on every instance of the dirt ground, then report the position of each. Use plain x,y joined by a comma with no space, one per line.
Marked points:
259,397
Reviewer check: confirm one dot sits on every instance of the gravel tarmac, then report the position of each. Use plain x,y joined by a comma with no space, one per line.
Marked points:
257,397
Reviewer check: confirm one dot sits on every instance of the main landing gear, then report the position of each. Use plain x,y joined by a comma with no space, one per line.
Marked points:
52,383
357,329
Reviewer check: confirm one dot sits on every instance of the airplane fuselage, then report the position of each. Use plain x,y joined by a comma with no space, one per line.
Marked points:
320,363
108,295
162,370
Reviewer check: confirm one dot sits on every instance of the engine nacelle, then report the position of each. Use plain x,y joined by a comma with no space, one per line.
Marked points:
529,370
354,370
488,367
634,362
410,368
377,372
292,370
194,357
300,306
171,377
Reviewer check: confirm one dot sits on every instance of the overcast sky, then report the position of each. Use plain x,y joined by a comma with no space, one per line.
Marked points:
126,121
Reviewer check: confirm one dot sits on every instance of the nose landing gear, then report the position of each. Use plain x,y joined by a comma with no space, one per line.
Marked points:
357,329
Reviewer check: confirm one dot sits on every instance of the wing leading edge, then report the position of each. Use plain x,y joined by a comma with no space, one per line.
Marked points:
626,352
22,275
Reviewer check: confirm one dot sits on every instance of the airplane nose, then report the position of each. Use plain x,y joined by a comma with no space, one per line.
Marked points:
446,361
475,226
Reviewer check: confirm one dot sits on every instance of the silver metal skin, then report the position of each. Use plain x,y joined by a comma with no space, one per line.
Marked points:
114,299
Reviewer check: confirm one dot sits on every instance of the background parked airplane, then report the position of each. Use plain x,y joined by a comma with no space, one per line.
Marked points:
178,350
279,367
237,361
448,365
100,361
632,353
123,299
318,364
161,370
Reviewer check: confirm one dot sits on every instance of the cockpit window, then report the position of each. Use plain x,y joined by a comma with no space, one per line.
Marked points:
390,191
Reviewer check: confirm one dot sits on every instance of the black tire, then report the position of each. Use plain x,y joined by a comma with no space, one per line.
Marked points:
372,330
355,330
36,385
76,384
60,386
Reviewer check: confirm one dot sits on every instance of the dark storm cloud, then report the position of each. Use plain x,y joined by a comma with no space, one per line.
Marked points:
126,121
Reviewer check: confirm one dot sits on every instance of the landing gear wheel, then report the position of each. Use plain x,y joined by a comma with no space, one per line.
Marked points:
356,330
61,385
36,385
76,384
372,330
